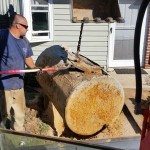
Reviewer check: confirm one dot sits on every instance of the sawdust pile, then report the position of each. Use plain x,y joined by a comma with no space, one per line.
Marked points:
35,124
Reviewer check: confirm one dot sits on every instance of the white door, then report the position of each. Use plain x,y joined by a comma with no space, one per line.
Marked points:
121,40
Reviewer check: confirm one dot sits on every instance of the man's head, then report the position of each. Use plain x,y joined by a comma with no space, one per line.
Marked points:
19,25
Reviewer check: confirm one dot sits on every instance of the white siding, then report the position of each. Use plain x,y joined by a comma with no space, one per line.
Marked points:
94,42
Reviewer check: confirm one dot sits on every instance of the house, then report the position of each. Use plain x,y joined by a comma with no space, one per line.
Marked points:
106,42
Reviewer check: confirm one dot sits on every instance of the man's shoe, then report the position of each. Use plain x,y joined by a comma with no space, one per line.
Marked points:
8,124
2,125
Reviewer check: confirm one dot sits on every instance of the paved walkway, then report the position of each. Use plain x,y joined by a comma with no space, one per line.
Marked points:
128,80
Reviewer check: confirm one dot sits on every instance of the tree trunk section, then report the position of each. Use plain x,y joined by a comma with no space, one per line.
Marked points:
81,98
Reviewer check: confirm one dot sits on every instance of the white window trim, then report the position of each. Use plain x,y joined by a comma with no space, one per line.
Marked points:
111,43
26,5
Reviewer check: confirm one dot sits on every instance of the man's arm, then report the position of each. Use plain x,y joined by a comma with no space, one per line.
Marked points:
29,62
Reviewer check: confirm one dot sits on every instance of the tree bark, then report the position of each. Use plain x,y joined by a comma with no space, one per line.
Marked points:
84,101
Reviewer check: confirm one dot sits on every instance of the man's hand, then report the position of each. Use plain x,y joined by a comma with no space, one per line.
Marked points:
29,62
40,70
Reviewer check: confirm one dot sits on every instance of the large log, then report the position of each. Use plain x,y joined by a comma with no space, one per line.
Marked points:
83,99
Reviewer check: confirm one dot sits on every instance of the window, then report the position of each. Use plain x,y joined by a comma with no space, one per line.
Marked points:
39,15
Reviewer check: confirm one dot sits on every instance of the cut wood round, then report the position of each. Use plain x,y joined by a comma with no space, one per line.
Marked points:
83,99
93,104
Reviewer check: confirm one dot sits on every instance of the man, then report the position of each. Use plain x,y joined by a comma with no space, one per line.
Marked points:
15,52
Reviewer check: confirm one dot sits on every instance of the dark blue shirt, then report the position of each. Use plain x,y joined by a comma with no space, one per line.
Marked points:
13,53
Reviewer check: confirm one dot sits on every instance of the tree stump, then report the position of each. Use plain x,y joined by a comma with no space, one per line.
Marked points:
82,98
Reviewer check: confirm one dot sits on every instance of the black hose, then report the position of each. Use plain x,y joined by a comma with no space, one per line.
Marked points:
137,36
79,42
85,20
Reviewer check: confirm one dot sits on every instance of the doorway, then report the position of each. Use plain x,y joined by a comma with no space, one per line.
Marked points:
121,54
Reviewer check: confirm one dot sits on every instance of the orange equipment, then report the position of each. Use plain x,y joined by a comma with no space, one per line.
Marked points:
145,135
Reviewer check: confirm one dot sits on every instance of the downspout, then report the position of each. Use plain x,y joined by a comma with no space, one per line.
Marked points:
137,37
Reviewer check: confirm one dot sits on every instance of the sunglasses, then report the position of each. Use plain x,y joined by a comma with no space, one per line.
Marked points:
26,27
